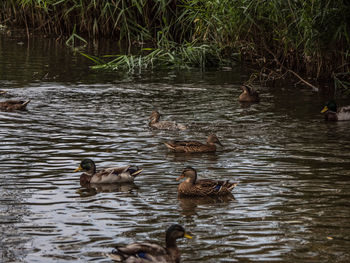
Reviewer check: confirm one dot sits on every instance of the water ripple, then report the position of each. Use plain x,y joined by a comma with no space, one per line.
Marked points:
289,206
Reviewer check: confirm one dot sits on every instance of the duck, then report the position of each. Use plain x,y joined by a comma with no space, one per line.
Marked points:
333,113
194,146
248,95
204,187
164,125
146,252
12,105
124,174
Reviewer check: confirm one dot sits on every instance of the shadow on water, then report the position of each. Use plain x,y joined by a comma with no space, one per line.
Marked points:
294,180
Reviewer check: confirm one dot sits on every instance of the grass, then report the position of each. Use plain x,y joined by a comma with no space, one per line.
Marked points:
309,39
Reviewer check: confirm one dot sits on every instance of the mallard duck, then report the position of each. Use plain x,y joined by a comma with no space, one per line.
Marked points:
204,187
11,105
146,252
163,125
333,113
249,95
193,146
125,174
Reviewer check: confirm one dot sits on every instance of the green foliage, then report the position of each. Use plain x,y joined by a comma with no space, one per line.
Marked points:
308,37
126,20
181,57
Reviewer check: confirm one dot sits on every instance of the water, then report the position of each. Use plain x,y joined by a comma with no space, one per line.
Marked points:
291,204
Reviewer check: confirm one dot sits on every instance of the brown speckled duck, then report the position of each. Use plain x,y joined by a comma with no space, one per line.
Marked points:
249,95
333,113
145,252
204,187
193,146
125,174
12,105
164,125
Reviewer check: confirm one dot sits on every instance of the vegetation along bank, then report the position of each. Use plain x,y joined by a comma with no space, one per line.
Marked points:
308,40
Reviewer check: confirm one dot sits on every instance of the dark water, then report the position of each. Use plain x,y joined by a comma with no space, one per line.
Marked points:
291,204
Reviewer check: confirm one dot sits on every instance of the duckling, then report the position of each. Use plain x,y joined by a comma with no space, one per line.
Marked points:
164,125
11,105
145,252
111,175
194,146
333,113
249,95
204,187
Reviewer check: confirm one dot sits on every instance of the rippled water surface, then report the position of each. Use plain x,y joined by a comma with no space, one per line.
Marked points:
291,203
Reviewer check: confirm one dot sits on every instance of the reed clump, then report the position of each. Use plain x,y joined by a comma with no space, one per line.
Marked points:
305,39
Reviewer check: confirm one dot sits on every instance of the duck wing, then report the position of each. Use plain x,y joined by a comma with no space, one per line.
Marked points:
343,113
140,252
185,146
14,104
124,174
212,187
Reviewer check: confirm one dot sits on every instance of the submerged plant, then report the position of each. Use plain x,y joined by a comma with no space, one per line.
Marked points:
185,56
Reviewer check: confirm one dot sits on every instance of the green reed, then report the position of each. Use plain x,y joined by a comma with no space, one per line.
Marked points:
308,39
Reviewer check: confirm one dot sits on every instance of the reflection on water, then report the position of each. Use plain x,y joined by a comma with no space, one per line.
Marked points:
291,204
93,189
188,205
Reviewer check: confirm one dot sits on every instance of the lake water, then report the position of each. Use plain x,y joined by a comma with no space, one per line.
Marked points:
291,203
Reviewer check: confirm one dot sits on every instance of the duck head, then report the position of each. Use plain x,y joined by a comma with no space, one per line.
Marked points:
88,166
175,232
189,173
213,139
155,116
330,106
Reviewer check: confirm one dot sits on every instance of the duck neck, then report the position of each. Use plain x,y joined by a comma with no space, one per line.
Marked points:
170,242
154,119
330,116
211,144
85,178
192,178
92,170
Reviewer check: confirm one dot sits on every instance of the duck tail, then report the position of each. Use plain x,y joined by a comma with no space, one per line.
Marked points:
134,171
181,127
24,104
230,186
169,145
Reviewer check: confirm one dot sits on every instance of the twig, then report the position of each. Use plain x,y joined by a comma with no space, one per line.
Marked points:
302,80
289,70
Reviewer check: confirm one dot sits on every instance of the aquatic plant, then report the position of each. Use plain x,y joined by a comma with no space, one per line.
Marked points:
303,39
181,57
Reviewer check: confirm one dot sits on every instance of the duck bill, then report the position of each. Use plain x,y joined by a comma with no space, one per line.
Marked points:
324,109
180,177
78,169
187,236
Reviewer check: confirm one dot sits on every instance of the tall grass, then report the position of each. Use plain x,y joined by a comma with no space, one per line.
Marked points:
131,21
307,39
